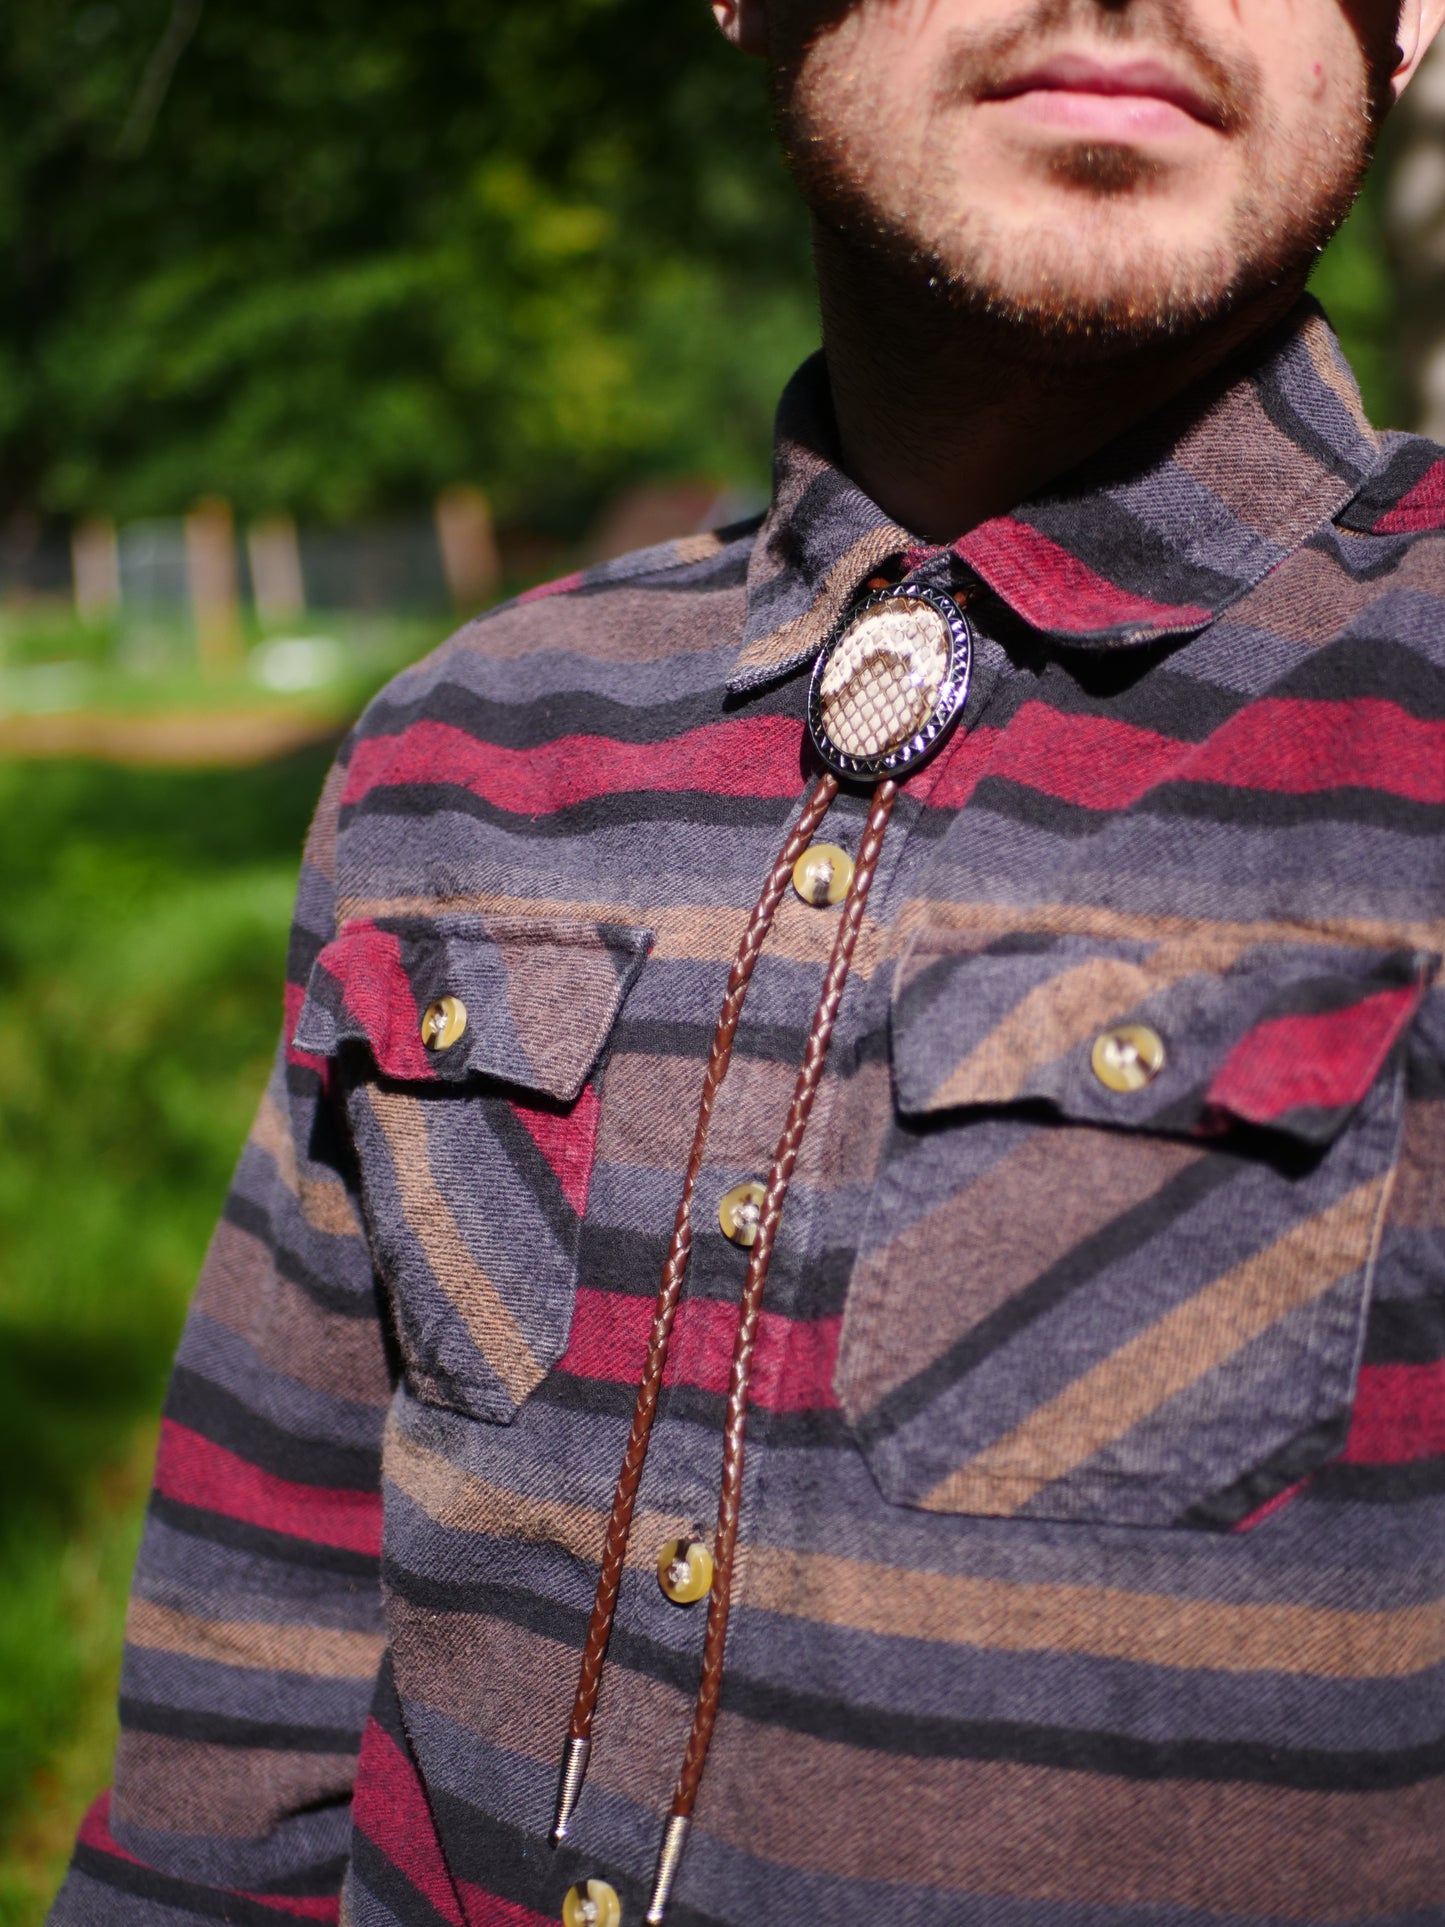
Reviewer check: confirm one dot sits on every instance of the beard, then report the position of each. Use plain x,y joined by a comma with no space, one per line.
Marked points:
1084,280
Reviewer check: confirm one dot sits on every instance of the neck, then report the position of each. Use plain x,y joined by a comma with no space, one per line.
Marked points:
946,418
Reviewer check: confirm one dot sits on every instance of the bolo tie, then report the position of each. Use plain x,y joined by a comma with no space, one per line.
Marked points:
887,687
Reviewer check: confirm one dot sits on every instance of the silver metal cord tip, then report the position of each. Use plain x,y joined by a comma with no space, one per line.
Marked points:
673,1842
574,1772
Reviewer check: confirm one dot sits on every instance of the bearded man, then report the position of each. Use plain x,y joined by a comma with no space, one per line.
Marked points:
836,1311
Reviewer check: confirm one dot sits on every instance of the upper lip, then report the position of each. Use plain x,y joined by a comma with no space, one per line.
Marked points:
1081,74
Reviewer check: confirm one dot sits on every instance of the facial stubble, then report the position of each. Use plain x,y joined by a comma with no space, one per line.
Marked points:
1074,286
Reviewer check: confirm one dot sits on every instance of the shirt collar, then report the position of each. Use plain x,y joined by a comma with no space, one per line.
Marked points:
1155,537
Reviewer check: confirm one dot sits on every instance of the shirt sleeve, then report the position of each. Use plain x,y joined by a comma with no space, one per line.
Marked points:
253,1638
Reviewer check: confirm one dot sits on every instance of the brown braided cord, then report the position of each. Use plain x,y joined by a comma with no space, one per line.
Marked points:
619,1520
779,1177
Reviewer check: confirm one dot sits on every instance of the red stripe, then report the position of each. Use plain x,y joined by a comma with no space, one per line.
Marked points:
1055,590
750,756
1276,745
95,1833
792,1365
1092,761
1422,507
1303,747
366,962
390,1808
1323,1062
1270,1507
1399,1415
193,1471
487,1910
567,1140
563,585
295,998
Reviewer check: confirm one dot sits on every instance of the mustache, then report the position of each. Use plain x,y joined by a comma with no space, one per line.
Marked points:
980,64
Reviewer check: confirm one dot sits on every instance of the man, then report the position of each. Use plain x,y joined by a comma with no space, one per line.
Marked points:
852,1203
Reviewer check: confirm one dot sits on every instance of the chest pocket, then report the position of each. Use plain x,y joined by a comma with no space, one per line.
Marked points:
476,1148
1116,1262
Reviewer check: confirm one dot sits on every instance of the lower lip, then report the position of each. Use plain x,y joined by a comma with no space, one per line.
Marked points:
1113,117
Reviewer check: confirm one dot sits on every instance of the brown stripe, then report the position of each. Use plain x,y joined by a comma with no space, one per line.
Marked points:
984,1243
631,625
1148,1629
688,935
321,839
1326,358
186,1786
1419,1197
711,935
1266,480
493,1328
1091,1839
324,1201
316,1650
462,1503
514,1688
1192,1341
809,631
925,914
239,1288
1061,1013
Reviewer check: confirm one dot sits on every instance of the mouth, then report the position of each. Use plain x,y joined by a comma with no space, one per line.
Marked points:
1123,101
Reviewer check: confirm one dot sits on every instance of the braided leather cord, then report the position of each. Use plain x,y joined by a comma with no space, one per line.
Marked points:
779,1177
619,1521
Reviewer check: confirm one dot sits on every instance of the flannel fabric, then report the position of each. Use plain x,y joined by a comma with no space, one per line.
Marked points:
1092,1559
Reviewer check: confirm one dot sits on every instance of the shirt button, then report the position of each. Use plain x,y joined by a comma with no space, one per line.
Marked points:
740,1212
684,1571
823,874
444,1022
591,1903
1128,1058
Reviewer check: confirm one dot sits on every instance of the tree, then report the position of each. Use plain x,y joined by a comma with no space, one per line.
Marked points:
329,259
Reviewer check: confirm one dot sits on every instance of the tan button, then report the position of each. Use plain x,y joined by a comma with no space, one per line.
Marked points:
823,874
739,1212
444,1022
684,1571
592,1903
1128,1058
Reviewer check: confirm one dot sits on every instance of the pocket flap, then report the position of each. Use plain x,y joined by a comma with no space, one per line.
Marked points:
1285,1036
539,998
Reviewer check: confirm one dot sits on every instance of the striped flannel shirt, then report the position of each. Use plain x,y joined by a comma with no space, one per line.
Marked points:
1092,1556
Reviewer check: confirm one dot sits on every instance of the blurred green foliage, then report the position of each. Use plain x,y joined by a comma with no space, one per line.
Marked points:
142,933
326,260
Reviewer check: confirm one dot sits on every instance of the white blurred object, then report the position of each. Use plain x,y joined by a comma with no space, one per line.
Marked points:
292,664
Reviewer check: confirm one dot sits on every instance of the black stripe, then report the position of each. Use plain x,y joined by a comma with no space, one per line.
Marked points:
621,810
892,1732
210,1903
386,1883
348,1301
208,1728
1149,1220
537,722
218,1415
1405,1331
217,1528
1362,666
1222,803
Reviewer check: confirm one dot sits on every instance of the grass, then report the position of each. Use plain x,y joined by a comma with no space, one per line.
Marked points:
143,917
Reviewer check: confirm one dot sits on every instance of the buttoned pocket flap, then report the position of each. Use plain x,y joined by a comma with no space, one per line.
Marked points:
530,1003
1118,1249
1285,1037
470,1052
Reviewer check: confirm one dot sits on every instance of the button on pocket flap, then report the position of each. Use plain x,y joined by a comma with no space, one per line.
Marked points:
1173,1036
455,997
